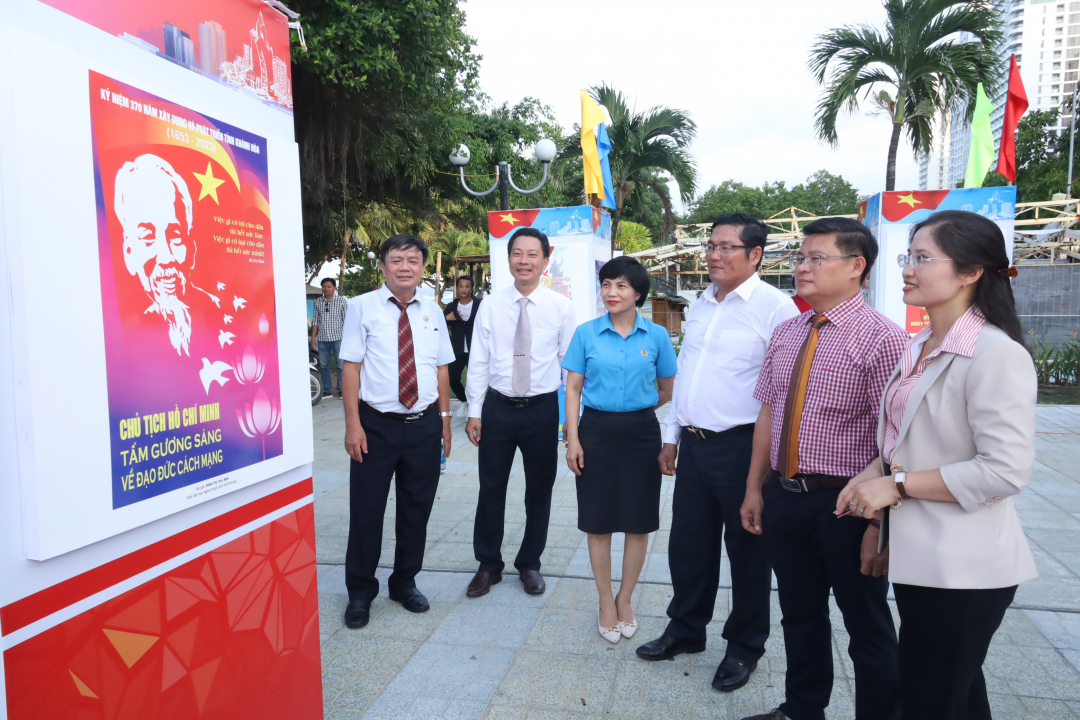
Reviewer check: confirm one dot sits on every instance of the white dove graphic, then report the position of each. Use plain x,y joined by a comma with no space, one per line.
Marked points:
225,338
221,286
211,372
238,303
228,319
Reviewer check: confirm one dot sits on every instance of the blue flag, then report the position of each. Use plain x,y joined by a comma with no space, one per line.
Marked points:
603,146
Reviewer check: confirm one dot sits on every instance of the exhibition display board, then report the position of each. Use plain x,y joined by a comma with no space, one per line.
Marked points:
580,240
157,549
890,215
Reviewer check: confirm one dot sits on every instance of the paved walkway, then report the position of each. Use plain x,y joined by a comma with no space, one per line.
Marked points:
510,655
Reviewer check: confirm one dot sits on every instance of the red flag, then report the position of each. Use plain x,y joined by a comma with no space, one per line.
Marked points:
1015,106
897,205
502,222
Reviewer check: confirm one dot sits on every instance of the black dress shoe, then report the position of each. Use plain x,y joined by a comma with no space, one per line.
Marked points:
666,647
533,581
482,582
412,600
357,613
732,674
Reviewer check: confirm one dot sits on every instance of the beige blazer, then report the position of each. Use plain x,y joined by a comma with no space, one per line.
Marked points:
974,418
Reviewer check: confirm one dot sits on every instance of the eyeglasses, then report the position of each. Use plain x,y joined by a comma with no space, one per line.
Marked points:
814,261
916,261
721,249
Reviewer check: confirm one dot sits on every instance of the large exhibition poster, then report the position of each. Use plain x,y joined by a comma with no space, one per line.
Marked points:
187,293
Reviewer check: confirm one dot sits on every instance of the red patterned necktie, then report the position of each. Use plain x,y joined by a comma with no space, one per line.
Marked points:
408,393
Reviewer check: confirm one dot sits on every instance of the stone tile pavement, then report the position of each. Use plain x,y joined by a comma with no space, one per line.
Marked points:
510,655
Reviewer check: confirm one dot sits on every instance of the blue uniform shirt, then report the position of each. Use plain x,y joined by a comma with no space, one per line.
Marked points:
619,372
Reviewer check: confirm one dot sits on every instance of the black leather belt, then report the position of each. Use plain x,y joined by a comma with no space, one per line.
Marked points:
407,418
522,402
806,482
703,434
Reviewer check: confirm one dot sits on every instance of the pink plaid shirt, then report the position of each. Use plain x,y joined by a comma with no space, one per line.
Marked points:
960,340
857,351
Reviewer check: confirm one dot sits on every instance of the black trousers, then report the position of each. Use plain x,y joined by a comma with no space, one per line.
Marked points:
505,429
944,636
710,484
811,551
408,453
456,368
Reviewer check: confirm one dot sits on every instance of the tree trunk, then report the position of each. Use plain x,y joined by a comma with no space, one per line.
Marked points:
890,167
318,268
344,257
616,217
669,214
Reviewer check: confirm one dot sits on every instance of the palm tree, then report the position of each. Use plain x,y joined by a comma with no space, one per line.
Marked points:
921,59
633,237
643,143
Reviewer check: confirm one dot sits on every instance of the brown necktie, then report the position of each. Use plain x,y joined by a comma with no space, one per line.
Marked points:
408,392
800,376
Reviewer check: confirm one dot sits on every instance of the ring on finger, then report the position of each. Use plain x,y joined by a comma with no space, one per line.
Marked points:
862,510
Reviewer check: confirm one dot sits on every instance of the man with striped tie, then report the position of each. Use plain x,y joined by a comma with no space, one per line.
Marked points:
396,351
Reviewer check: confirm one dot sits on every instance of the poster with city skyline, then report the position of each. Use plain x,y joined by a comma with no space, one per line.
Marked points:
242,44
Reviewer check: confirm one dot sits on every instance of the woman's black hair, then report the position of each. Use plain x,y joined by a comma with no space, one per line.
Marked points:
635,273
972,242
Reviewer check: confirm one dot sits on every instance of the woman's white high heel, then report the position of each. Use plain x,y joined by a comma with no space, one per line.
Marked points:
627,629
611,634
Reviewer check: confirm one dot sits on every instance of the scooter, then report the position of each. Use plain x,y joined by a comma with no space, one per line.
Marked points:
316,377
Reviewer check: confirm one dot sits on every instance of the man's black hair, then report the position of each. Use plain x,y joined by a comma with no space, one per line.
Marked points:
401,242
852,238
529,232
635,273
464,277
332,281
753,233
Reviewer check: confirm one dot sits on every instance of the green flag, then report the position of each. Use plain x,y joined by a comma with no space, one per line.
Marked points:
982,141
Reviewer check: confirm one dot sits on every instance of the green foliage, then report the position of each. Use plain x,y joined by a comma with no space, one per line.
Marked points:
359,280
633,237
918,66
1057,365
646,147
822,194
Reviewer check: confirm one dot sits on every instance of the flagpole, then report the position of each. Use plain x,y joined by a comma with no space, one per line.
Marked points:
1072,142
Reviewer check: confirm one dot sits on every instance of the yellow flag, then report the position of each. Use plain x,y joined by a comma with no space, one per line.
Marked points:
591,116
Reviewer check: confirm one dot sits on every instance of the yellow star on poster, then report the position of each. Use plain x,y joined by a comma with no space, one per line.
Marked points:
209,183
909,199
509,218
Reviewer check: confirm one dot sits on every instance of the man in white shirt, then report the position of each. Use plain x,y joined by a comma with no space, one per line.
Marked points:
396,351
460,317
713,412
519,339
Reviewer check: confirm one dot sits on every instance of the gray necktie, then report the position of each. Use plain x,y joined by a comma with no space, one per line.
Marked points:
522,351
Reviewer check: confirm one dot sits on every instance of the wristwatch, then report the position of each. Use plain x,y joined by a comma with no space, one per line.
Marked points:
446,414
900,479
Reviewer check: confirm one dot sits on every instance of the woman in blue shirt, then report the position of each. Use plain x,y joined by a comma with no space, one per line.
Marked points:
612,364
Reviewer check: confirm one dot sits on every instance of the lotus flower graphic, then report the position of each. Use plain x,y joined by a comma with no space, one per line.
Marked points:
261,418
250,368
264,325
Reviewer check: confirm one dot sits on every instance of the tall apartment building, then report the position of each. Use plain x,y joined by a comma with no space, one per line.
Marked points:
1024,24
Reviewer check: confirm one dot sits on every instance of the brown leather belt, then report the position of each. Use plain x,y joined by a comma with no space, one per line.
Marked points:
805,482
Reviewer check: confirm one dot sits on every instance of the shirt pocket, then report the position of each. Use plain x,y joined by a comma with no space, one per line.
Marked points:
739,351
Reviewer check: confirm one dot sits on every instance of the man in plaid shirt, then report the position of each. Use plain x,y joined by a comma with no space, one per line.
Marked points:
326,328
821,387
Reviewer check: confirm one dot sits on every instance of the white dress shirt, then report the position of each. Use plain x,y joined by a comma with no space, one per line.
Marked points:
491,360
371,337
722,352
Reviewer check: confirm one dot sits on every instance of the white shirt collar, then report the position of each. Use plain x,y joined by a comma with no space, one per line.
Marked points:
745,290
385,295
516,295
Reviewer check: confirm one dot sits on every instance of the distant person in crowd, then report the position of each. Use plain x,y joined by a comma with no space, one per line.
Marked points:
957,441
821,387
152,202
329,319
712,421
397,408
520,337
616,363
460,317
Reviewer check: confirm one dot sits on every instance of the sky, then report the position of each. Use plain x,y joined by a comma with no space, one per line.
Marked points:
738,68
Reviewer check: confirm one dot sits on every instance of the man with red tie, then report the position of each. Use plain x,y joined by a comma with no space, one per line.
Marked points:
396,386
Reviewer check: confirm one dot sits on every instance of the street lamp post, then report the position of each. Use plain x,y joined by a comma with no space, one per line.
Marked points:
544,152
